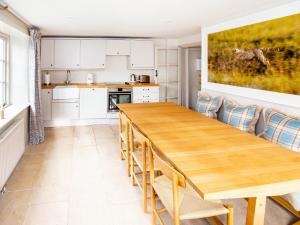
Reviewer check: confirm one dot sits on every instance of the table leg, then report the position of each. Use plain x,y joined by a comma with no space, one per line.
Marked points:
256,210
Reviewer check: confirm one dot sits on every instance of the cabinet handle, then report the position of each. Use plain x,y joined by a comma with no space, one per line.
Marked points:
103,64
77,64
132,64
77,106
118,53
48,92
51,64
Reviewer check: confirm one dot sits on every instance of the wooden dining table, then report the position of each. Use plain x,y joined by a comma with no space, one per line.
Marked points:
219,161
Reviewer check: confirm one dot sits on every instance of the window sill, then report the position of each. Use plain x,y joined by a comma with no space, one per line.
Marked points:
11,112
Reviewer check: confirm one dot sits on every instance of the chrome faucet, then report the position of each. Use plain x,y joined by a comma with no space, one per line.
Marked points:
67,81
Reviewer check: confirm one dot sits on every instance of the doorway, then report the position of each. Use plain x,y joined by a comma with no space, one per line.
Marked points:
191,76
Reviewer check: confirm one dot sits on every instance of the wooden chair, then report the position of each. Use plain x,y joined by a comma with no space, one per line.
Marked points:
124,126
140,163
288,206
180,199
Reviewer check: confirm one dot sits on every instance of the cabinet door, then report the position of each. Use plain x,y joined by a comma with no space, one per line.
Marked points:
117,47
93,103
66,54
65,110
92,55
46,104
47,53
142,54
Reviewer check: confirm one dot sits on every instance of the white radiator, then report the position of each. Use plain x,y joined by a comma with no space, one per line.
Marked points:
12,146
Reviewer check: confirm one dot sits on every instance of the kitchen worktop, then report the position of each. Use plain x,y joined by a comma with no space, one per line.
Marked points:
100,85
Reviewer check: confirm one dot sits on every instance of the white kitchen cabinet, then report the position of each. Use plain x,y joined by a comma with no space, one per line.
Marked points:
47,53
46,104
67,54
93,103
117,47
142,54
145,94
92,54
65,110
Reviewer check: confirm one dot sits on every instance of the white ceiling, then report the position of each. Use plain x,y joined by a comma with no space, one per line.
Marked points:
132,18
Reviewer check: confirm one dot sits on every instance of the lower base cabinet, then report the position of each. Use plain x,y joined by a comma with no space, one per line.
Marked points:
145,94
65,110
93,103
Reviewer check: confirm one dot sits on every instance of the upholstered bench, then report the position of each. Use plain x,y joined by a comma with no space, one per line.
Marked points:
269,124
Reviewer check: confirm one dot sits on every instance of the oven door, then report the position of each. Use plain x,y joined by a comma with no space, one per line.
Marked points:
115,98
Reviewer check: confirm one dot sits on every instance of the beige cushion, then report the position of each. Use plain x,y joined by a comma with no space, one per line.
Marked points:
293,199
191,206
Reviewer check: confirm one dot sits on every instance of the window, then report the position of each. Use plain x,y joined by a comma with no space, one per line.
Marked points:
3,70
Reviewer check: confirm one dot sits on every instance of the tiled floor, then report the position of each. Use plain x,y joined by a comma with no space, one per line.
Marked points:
76,178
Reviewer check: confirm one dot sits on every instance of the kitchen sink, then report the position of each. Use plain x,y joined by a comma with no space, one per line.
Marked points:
65,92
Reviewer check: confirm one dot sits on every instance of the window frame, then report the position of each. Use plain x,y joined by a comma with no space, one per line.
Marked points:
6,62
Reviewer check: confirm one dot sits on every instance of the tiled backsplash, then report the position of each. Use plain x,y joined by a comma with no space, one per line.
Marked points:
116,70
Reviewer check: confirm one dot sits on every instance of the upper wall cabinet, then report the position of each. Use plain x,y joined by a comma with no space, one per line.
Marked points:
142,54
67,54
117,47
92,54
47,53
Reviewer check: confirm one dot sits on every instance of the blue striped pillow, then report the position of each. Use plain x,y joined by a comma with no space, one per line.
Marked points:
207,105
241,117
284,130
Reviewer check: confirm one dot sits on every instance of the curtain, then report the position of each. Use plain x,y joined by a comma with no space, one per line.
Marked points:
36,127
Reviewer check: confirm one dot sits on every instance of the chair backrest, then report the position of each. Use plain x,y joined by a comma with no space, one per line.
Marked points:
124,122
137,136
166,168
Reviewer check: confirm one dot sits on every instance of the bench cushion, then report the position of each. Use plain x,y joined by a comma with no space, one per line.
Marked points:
207,105
284,130
241,117
293,199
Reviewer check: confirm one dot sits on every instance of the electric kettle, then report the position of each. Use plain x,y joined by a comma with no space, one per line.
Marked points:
133,78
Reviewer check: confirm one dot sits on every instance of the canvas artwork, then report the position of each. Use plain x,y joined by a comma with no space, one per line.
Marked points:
264,56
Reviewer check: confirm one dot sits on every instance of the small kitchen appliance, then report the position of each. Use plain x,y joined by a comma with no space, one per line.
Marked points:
133,78
90,78
144,79
47,78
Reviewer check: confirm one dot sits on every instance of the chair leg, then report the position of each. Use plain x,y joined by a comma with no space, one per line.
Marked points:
128,160
176,218
230,215
153,206
132,170
121,153
145,178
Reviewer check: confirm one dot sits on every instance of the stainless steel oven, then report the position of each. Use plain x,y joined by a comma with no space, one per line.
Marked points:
118,96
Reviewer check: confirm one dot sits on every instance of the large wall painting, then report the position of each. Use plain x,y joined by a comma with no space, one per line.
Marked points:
263,56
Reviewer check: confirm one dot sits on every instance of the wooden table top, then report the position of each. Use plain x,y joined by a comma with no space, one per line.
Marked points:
220,161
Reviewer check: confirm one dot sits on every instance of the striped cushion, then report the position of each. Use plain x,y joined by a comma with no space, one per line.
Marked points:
241,117
207,105
284,130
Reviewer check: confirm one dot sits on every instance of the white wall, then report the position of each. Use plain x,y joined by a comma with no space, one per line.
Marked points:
284,102
18,80
190,40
